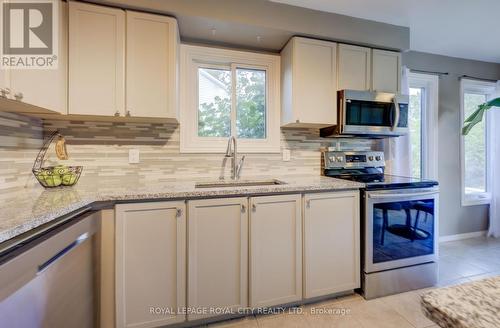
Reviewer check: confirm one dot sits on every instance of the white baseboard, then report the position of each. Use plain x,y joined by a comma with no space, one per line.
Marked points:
461,236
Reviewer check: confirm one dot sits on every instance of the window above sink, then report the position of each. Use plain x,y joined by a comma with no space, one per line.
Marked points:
229,93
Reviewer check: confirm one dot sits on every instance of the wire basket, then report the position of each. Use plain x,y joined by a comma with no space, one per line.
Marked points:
54,176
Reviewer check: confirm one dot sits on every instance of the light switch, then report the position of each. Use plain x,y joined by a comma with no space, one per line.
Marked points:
286,155
134,156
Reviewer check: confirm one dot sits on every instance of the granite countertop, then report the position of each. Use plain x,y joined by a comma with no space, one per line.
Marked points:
470,305
23,211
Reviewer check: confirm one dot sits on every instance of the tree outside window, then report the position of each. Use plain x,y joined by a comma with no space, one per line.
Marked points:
415,126
475,147
215,94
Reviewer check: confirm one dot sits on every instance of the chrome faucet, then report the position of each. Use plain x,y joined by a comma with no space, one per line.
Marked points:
232,151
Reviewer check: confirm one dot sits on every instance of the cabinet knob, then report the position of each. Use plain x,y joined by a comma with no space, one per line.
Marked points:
308,203
18,96
117,113
128,113
254,207
178,212
243,208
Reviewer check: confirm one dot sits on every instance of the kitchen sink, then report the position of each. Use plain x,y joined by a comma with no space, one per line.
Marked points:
238,183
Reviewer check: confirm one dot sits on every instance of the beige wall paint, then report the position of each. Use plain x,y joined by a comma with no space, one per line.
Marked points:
238,22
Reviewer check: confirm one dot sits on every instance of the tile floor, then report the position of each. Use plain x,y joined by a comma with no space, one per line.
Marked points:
459,261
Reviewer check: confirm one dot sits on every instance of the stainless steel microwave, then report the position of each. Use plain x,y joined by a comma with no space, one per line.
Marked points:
369,114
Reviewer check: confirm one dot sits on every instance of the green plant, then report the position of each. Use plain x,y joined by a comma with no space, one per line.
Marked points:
478,114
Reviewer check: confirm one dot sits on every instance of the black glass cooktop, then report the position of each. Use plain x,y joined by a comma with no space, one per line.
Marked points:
377,180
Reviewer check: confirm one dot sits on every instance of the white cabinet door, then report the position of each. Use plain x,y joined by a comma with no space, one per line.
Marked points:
217,254
331,243
386,71
150,263
46,88
275,250
309,82
96,60
354,71
152,51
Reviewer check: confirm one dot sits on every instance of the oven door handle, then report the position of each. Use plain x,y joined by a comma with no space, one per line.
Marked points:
396,113
391,196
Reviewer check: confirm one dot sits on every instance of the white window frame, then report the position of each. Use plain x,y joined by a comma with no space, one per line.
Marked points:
430,103
479,87
193,57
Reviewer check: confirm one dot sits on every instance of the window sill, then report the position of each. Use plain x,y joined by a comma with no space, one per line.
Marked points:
476,200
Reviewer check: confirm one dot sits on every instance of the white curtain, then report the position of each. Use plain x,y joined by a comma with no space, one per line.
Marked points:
494,116
397,151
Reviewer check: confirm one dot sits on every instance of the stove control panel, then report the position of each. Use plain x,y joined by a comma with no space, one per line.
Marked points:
353,159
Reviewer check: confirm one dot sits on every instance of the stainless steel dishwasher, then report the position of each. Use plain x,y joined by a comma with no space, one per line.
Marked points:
50,280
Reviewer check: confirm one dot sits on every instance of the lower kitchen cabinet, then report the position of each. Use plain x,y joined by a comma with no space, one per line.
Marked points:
230,253
275,250
150,263
331,243
217,255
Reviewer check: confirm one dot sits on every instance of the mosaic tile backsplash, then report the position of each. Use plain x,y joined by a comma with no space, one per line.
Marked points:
20,139
102,148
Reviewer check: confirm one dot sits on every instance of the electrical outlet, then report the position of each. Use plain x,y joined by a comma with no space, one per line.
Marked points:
286,155
134,156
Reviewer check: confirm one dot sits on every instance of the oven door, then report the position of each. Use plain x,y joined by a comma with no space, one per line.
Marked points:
401,228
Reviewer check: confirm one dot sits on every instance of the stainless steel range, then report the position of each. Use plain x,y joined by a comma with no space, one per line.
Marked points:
399,223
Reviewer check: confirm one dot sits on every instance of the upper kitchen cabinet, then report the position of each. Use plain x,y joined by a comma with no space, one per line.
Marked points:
354,67
42,90
386,71
135,74
152,56
309,83
96,60
361,68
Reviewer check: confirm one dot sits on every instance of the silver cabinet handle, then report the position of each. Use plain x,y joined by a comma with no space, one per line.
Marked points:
18,96
178,212
117,113
243,208
128,113
254,207
308,203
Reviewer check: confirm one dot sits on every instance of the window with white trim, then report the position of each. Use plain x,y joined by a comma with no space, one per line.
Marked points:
423,124
228,93
475,147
